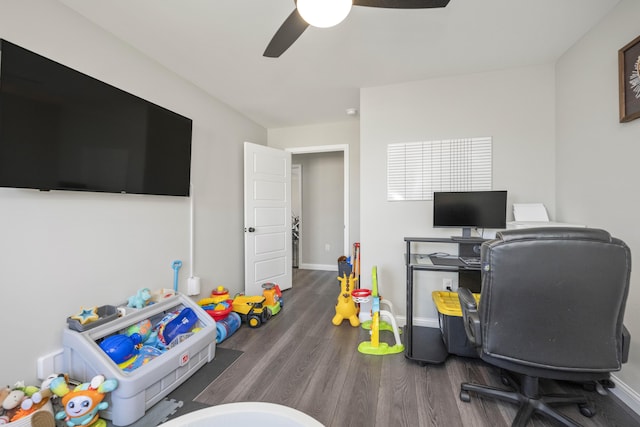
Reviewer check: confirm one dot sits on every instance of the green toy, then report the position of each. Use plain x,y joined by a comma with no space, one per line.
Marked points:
375,347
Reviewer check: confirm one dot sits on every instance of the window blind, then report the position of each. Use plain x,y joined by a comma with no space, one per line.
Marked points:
416,169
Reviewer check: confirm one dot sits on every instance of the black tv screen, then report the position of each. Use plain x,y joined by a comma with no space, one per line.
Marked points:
470,209
63,130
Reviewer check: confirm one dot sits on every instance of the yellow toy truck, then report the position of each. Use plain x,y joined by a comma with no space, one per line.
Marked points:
251,309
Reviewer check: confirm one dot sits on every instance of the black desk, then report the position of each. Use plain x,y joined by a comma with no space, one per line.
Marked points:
424,344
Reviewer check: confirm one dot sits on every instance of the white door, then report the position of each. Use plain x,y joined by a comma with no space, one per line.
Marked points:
267,217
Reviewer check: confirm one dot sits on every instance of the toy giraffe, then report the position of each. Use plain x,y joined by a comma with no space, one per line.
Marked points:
345,307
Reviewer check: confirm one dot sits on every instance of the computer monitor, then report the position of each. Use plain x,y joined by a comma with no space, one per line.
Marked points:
470,209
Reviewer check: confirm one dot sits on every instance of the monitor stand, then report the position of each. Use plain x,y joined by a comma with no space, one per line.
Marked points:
466,232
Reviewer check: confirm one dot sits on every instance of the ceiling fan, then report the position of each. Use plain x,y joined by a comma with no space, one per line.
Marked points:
299,19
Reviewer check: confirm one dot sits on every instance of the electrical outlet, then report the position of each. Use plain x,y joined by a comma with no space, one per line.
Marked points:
327,247
447,284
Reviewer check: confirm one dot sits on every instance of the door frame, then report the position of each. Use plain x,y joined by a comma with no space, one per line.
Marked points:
344,148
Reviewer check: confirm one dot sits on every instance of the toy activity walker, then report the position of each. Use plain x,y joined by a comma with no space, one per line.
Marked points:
375,347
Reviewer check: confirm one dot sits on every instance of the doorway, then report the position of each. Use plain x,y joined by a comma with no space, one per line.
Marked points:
326,249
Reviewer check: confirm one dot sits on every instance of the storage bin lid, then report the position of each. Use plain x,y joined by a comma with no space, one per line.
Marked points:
448,302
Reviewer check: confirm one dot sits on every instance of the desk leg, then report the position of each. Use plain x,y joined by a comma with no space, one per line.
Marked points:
408,341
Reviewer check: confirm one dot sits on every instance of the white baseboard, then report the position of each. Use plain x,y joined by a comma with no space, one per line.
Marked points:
626,394
324,267
52,363
419,321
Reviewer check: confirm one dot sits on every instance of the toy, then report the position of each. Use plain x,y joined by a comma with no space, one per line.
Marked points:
220,294
176,267
122,349
345,307
374,346
142,328
273,297
219,305
183,323
140,299
227,326
160,294
81,405
251,309
86,315
362,297
47,391
145,355
11,402
218,311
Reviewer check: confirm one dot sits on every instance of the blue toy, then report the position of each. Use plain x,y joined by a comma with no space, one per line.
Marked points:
146,354
140,299
121,348
176,267
184,322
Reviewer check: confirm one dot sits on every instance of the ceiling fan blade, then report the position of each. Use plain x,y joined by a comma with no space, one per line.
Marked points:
288,33
402,4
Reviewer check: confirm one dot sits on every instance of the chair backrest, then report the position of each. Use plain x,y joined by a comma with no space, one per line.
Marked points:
554,298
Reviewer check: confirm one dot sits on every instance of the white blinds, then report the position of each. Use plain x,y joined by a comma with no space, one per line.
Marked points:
416,169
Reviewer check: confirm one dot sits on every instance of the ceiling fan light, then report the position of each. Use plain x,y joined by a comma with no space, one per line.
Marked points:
324,13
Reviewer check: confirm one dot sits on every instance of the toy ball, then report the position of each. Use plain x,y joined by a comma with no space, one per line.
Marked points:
121,348
143,328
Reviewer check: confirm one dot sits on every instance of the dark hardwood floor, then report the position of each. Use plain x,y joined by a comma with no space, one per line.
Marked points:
301,360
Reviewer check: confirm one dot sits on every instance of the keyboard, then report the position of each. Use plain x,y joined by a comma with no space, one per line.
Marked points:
473,261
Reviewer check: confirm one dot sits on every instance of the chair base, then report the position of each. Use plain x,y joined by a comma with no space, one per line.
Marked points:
528,399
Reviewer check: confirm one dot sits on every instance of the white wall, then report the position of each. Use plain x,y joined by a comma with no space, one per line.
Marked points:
339,133
597,157
61,251
515,107
322,225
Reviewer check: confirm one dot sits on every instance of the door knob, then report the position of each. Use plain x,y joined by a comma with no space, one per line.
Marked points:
251,229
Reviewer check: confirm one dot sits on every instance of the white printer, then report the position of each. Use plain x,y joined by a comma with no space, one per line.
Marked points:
532,215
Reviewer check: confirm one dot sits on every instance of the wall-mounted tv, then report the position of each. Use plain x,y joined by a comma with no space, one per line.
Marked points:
470,209
63,130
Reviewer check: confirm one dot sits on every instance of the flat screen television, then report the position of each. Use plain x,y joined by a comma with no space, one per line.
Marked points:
63,130
470,209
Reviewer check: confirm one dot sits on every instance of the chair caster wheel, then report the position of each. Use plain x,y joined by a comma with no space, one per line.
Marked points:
587,411
464,396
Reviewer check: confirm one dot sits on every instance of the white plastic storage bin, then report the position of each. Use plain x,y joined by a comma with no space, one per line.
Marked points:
143,387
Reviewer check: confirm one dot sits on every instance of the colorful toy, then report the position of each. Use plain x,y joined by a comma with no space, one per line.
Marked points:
273,297
140,299
81,405
146,354
362,297
374,346
345,307
86,315
219,305
220,310
251,309
227,326
220,294
122,349
142,328
183,323
46,392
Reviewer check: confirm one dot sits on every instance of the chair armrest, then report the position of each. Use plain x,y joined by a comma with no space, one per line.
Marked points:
626,343
470,317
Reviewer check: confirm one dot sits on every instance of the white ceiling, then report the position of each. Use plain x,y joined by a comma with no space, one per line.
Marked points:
218,45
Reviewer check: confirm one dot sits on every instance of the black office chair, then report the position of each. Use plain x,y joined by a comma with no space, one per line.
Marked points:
551,306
